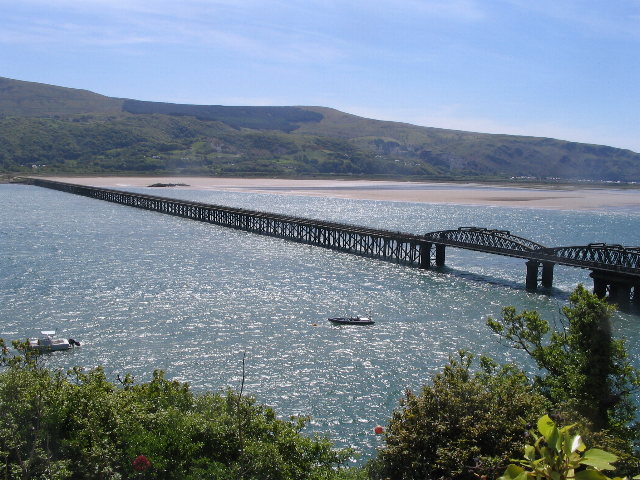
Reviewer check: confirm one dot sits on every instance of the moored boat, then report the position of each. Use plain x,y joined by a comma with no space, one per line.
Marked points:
47,342
352,320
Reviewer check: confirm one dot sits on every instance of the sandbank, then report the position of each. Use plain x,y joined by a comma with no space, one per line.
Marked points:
544,196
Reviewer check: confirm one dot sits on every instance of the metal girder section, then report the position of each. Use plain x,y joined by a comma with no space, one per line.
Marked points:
595,254
477,236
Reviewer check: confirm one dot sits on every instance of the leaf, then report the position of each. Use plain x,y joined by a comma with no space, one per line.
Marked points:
590,475
572,445
599,459
546,426
514,472
554,440
529,452
577,445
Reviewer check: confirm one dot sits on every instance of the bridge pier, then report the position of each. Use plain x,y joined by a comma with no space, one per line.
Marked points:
533,267
440,255
620,294
619,287
547,274
531,282
425,255
426,259
599,286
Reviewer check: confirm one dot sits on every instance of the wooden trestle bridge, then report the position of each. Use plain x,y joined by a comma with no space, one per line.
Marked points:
615,269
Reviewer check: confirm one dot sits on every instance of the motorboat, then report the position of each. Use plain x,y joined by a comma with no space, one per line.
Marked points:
352,320
48,343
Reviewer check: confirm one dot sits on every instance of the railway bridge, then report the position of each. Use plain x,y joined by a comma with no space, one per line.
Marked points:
615,269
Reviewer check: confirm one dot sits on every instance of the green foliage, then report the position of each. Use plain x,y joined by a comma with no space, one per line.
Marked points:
82,426
582,367
467,425
557,454
463,425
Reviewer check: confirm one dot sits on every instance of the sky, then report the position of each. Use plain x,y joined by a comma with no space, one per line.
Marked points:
567,69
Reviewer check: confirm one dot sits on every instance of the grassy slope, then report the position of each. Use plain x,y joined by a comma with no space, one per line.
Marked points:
36,99
76,129
481,152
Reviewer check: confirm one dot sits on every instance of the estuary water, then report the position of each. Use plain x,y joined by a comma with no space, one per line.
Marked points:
144,291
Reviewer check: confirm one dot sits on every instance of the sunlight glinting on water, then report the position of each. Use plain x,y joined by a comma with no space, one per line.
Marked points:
145,291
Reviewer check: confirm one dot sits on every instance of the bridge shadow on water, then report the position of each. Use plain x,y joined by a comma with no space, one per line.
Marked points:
475,277
555,293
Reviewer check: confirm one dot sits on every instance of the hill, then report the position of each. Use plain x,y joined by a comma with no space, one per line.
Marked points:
36,99
55,129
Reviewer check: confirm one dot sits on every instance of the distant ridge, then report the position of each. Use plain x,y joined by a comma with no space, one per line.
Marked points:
37,99
274,118
54,129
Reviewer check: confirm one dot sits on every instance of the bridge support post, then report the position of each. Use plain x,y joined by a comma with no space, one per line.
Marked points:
620,294
440,255
547,274
619,286
599,287
425,255
532,275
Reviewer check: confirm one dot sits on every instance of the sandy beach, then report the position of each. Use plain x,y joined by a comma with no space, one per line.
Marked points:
548,197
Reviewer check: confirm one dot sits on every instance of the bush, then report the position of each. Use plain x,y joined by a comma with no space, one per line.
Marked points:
463,425
81,426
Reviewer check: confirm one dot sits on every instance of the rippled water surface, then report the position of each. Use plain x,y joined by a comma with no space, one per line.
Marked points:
142,290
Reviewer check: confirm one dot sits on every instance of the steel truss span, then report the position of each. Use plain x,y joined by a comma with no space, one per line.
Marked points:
597,254
485,239
386,245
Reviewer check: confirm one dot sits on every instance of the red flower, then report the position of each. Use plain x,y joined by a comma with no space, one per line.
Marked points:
141,463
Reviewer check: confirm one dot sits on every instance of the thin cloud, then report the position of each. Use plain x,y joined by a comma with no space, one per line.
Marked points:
614,19
194,24
466,10
72,35
460,10
261,42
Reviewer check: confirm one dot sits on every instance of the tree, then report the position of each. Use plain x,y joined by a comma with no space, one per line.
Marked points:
79,425
463,425
582,367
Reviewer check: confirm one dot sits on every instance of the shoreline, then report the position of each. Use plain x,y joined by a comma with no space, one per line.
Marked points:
506,195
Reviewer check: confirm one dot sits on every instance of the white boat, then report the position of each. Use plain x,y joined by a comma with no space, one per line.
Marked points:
352,320
47,342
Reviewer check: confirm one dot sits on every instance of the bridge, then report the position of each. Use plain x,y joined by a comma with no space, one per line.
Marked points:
615,269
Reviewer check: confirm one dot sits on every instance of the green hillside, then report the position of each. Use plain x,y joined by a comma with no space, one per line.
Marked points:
53,129
285,119
36,99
